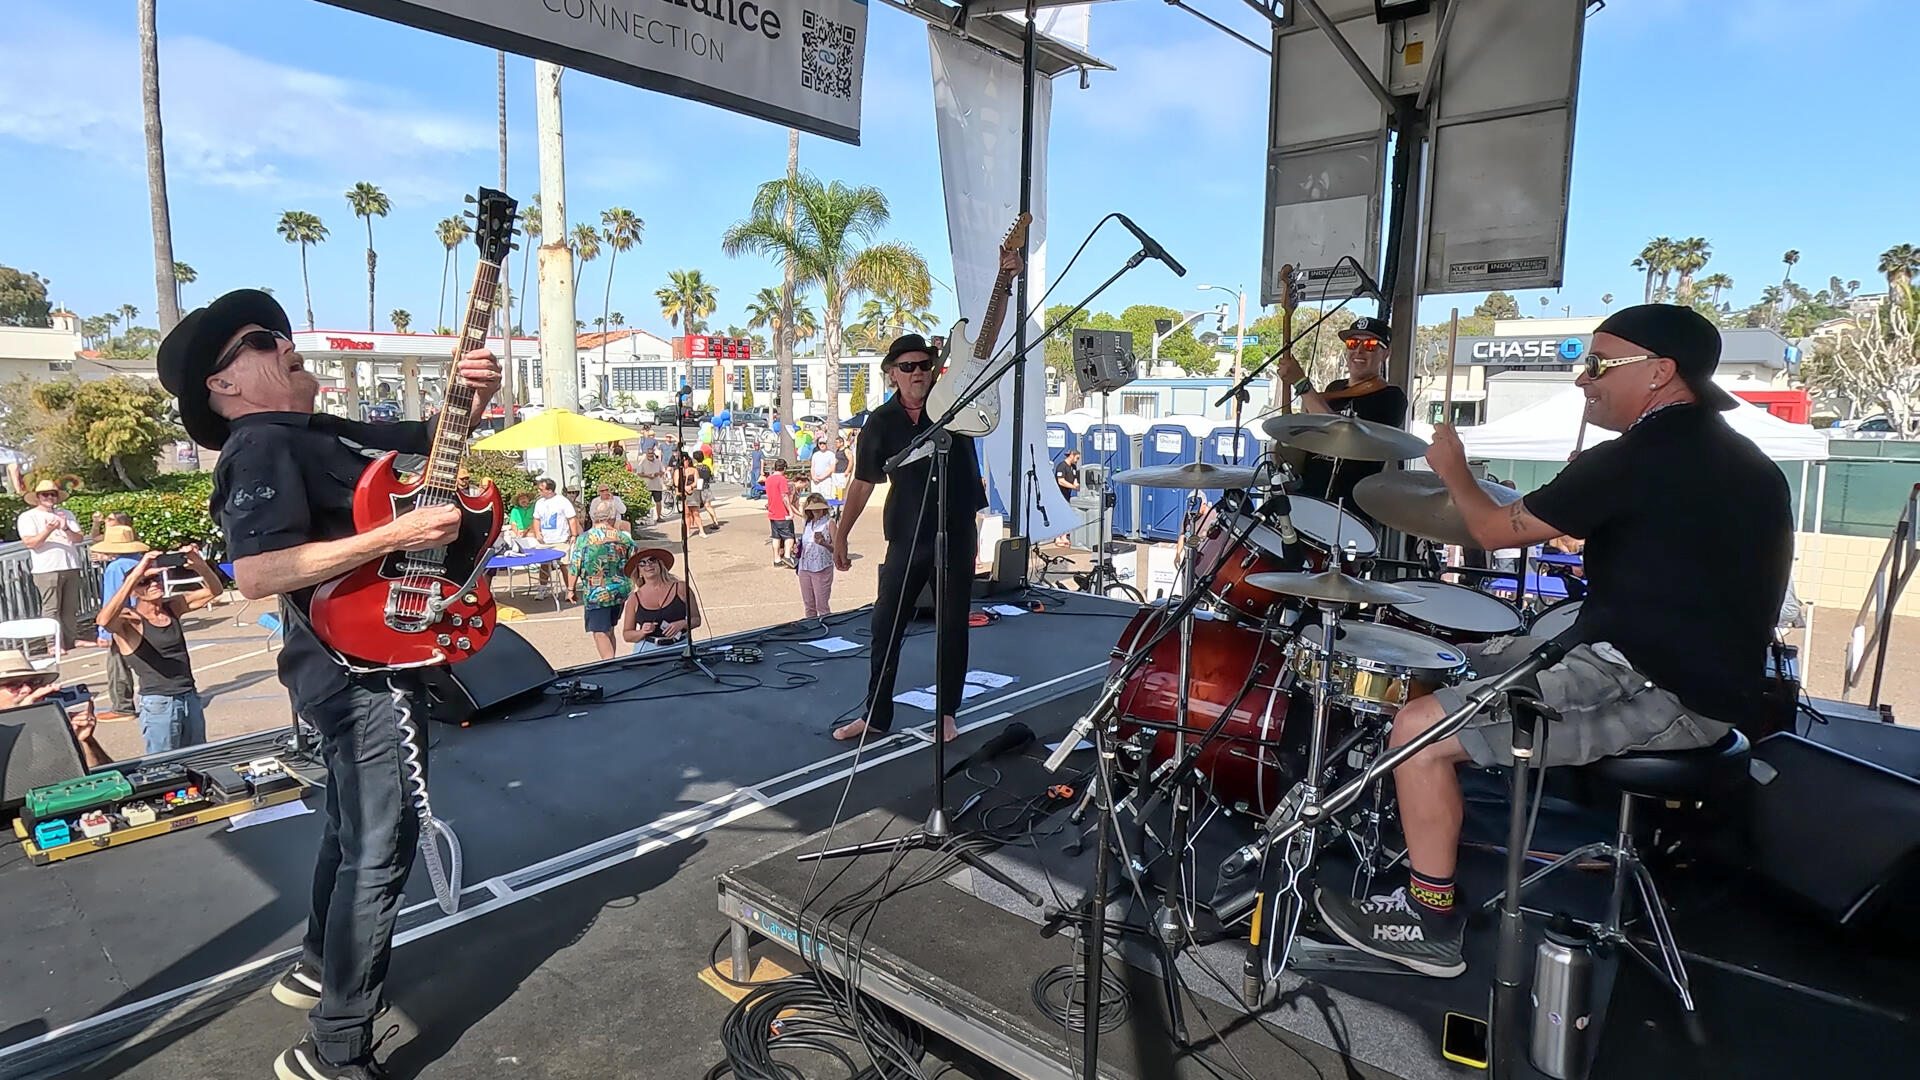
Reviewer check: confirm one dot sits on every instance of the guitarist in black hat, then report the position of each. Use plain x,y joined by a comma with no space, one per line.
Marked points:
283,494
1365,393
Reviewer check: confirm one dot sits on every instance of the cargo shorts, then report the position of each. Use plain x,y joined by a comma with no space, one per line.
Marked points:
1606,708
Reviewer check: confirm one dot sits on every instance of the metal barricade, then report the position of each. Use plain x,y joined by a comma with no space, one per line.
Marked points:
20,598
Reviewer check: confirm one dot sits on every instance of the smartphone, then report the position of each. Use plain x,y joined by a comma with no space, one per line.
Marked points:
1463,1039
170,561
74,696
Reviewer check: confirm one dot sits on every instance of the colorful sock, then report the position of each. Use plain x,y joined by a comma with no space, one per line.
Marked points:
1435,894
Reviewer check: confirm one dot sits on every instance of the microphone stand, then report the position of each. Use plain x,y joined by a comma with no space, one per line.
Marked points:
689,660
1236,392
938,833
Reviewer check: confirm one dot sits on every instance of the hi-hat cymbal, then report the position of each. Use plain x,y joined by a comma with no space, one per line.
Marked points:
1417,503
1333,587
1336,436
1193,476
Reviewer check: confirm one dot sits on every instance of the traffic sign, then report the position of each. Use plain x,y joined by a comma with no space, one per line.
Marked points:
1246,341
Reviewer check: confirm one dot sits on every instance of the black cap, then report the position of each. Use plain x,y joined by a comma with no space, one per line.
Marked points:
1367,327
191,349
1680,334
903,344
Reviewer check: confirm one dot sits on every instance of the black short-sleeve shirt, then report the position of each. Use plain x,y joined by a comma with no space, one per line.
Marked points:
286,479
1319,478
1689,535
888,430
1067,475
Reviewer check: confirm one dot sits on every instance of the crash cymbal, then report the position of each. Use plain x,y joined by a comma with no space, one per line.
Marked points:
1335,436
1417,503
1333,587
1193,476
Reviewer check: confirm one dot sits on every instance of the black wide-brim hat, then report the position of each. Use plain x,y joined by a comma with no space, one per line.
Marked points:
191,350
902,345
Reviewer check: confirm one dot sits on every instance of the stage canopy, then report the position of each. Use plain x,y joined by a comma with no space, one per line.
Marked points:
1545,431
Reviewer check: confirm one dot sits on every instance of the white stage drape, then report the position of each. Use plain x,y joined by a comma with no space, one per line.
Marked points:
977,105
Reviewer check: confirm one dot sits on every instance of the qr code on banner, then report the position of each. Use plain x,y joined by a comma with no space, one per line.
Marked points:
826,55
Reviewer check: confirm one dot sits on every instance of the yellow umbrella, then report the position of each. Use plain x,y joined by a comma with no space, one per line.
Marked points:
555,427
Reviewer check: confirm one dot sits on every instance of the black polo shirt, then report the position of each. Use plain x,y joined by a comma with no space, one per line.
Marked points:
286,479
1319,478
1689,535
888,430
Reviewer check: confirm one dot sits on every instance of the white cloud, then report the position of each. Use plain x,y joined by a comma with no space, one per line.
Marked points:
232,119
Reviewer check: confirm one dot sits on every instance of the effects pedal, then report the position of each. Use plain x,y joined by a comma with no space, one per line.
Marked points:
138,813
95,823
51,834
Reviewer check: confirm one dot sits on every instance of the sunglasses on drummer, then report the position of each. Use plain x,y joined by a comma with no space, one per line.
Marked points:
1596,366
258,340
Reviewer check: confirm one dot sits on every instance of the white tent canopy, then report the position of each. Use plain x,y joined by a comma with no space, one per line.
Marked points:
1545,431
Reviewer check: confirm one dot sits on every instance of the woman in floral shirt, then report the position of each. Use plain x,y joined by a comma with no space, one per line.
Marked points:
598,561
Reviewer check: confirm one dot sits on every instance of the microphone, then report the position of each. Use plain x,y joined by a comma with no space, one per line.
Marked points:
1082,728
1039,504
1015,736
1368,286
1283,521
1154,250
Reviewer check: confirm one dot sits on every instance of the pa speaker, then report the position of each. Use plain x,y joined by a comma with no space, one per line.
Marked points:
37,748
507,668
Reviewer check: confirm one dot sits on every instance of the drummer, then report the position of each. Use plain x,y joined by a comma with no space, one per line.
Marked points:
1365,393
1689,540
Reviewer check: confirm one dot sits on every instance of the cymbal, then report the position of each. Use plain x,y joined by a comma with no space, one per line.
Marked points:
1335,436
1333,587
1193,476
1417,503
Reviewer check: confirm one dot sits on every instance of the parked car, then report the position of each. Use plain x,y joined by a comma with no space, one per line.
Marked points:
689,414
382,412
635,417
1873,427
758,416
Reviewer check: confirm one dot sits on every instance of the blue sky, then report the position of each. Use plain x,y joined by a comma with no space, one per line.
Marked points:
1755,124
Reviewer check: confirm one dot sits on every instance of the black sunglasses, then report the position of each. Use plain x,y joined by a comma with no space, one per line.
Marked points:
260,340
911,366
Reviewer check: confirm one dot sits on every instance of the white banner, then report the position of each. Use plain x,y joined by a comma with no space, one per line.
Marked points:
797,63
976,104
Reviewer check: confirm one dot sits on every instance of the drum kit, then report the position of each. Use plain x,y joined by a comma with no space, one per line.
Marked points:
1275,674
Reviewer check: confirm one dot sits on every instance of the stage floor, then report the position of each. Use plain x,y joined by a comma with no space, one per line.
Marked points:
594,837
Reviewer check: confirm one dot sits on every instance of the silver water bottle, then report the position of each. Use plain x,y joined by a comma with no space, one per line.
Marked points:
1562,1034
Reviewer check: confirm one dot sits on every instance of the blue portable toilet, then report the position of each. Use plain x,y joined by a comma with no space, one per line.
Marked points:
1116,445
1171,440
1059,437
1218,448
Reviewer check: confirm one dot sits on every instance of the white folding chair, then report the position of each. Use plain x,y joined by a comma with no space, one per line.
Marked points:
24,632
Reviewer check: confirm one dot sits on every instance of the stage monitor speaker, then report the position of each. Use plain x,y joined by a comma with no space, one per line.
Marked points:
1009,567
37,748
1832,829
507,668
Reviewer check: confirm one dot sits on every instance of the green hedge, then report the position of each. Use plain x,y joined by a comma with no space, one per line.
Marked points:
166,516
626,484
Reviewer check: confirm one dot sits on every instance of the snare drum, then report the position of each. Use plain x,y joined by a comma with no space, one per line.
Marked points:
1453,613
1378,668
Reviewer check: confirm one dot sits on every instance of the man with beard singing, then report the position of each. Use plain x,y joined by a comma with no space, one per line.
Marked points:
911,523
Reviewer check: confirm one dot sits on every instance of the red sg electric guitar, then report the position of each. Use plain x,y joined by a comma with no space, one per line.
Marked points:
421,608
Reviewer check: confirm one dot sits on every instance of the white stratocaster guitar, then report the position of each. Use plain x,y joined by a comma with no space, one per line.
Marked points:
982,414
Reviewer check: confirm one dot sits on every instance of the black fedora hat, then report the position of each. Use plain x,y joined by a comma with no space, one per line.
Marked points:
904,344
192,348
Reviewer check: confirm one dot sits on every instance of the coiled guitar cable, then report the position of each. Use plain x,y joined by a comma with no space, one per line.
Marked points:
444,875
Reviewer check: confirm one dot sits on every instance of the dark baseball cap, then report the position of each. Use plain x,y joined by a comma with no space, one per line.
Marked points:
1680,334
1368,327
904,344
192,348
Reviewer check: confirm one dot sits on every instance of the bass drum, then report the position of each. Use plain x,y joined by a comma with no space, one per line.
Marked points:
1556,620
1231,667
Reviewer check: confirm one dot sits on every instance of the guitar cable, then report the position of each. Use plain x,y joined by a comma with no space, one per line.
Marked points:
444,875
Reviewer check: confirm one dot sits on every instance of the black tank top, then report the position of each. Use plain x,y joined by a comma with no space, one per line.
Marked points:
674,611
160,663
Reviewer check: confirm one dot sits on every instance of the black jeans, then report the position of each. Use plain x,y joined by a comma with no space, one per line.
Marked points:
900,585
365,853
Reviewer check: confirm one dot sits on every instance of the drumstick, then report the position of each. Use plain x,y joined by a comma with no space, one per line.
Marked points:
1580,437
1453,341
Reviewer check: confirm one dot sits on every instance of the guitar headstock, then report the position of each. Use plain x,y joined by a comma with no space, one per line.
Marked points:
1289,295
1017,236
493,218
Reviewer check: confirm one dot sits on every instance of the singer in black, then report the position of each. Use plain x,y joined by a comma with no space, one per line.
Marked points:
1365,393
911,520
1689,540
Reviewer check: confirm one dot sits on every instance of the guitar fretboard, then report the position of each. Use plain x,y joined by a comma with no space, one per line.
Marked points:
441,478
983,348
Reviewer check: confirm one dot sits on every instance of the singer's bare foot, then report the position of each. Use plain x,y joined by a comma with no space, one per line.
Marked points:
949,731
850,731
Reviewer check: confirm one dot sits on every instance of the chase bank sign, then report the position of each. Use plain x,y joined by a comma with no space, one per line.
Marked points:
1539,350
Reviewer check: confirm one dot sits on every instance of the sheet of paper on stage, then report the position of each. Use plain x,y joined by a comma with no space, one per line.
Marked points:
266,814
1006,609
992,680
832,644
923,698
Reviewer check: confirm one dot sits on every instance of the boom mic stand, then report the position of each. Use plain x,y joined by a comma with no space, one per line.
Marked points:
938,833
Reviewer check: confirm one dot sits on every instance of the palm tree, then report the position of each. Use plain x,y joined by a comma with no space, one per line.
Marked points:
450,231
1689,257
1715,284
1656,261
1606,302
369,202
530,229
165,287
832,246
1900,262
182,275
303,228
1789,257
763,311
686,300
785,340
128,313
586,248
402,320
621,229
887,316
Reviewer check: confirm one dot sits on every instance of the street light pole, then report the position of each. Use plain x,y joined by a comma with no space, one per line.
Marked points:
1240,337
1154,350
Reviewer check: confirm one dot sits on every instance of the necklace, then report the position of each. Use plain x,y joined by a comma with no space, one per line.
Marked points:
1655,411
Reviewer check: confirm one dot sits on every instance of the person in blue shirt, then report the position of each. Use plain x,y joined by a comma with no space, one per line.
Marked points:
122,550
